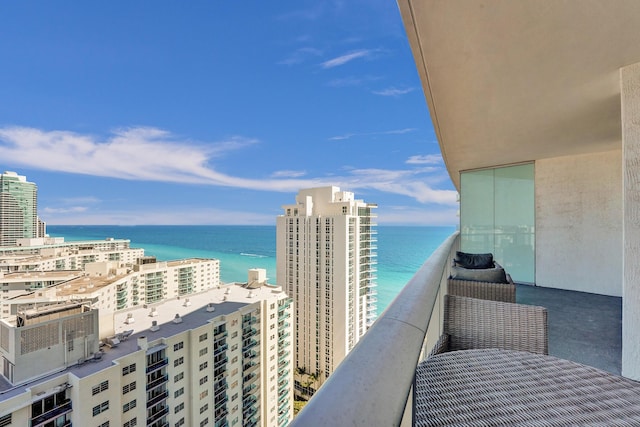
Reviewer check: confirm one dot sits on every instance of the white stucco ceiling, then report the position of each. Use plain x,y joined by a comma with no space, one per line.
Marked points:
508,81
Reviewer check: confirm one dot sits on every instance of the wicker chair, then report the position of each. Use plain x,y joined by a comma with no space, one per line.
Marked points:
505,292
471,323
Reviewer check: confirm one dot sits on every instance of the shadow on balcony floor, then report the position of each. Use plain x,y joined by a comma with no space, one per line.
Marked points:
585,328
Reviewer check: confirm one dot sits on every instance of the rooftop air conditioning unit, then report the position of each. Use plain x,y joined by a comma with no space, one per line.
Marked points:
130,319
210,307
153,312
154,326
187,303
177,319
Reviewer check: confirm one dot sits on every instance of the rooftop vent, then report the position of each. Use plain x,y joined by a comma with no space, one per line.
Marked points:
130,319
177,319
153,312
251,295
154,326
210,307
187,303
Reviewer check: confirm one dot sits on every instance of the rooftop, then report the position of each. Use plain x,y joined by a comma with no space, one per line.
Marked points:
192,311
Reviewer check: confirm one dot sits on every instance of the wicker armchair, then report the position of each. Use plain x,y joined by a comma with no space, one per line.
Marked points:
505,292
471,323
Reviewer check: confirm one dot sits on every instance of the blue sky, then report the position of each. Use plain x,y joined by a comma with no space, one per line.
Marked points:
210,112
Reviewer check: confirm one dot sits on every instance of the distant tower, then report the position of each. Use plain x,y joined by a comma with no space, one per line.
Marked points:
326,252
18,209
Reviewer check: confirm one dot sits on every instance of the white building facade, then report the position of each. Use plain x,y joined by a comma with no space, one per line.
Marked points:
219,358
45,254
326,258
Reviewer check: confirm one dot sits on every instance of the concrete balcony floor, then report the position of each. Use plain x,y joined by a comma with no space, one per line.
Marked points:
584,328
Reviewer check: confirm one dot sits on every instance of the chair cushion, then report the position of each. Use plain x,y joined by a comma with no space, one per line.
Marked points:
492,275
468,260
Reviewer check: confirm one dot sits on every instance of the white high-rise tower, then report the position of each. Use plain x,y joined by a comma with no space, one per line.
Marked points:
326,257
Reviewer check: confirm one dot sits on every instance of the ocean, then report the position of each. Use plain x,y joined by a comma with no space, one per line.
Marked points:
401,250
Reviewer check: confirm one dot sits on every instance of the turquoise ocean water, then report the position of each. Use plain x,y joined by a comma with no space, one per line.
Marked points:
401,250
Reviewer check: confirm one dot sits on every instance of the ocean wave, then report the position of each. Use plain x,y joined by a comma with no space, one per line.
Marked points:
252,255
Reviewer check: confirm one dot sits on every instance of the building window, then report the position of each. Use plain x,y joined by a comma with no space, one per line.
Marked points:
5,421
131,423
179,361
178,392
179,408
129,405
129,387
129,369
204,379
204,422
204,408
204,394
180,422
104,385
178,346
104,424
204,365
204,351
104,406
178,377
202,337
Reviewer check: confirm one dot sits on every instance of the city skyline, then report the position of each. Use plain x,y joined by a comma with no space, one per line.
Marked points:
215,114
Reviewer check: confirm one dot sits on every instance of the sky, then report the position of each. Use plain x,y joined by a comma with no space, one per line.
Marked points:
212,112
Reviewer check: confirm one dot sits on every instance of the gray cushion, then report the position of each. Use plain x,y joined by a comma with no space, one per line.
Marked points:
468,260
492,275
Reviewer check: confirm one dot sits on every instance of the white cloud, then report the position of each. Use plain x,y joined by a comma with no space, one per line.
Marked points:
388,132
288,174
392,91
429,159
150,154
72,209
199,216
300,55
343,59
405,182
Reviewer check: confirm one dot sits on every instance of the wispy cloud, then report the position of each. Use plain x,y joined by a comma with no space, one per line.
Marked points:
388,132
151,154
348,57
158,216
392,91
429,159
405,182
352,81
301,55
288,174
72,209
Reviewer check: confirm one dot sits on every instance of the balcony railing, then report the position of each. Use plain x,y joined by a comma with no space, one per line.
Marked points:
377,375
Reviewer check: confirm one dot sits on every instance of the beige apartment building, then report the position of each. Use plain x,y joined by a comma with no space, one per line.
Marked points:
109,287
221,357
326,258
53,253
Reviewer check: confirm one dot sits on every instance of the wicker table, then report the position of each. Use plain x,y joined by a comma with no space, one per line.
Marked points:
511,388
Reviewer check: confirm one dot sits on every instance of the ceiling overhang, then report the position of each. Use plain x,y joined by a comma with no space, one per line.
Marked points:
514,81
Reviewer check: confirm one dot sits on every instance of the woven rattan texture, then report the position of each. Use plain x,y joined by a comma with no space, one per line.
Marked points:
473,323
505,292
509,388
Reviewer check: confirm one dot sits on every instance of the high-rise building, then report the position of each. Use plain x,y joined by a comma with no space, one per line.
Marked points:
18,209
326,258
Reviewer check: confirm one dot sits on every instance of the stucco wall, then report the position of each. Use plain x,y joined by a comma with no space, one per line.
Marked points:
579,223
